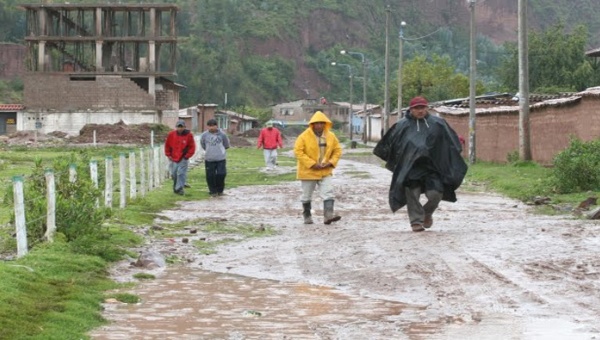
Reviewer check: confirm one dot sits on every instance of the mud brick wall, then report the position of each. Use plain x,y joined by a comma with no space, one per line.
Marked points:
12,58
57,92
551,129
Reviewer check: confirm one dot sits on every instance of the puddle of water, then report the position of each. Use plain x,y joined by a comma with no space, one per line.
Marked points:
204,305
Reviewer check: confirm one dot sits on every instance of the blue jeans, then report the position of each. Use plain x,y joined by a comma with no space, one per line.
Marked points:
179,174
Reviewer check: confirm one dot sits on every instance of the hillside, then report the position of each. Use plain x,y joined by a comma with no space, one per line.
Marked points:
303,38
258,52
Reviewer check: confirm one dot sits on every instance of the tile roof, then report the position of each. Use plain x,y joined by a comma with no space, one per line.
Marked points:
11,107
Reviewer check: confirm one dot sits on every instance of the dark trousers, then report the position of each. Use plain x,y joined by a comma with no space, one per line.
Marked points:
215,176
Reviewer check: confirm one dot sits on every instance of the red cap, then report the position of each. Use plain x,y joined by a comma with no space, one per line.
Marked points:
418,101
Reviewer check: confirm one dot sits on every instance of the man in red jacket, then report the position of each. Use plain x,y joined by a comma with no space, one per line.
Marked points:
270,139
179,147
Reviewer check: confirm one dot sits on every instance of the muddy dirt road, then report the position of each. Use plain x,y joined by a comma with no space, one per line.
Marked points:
487,269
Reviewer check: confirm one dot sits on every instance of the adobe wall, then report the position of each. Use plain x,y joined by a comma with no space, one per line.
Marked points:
12,58
167,98
46,91
551,128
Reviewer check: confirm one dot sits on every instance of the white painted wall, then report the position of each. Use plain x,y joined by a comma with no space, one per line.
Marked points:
72,122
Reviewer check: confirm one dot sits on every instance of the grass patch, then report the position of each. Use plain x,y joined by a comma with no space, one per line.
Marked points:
522,181
228,233
358,174
144,276
52,293
206,247
127,298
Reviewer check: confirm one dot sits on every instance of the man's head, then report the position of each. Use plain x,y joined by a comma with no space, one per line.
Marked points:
418,107
180,125
318,123
269,125
212,125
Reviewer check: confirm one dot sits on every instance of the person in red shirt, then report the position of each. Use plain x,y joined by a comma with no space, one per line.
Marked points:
269,140
179,148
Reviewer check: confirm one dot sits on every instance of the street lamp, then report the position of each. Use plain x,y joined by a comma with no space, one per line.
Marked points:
400,57
364,71
351,76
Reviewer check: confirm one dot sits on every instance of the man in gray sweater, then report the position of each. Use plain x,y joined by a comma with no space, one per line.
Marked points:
215,143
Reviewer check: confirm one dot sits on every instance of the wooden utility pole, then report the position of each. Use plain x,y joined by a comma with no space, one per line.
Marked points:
400,57
386,99
472,87
524,133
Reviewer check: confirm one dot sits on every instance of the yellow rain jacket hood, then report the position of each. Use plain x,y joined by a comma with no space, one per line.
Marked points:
307,150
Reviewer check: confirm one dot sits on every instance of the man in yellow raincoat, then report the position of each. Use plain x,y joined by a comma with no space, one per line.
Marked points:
317,152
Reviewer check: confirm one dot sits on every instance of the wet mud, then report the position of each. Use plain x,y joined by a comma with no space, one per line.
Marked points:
489,268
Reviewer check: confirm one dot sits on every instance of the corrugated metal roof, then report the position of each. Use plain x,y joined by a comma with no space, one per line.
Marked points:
11,107
593,53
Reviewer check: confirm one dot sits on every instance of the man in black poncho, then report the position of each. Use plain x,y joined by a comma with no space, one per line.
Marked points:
423,152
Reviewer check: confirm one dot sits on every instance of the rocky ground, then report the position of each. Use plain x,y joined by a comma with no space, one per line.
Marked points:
489,268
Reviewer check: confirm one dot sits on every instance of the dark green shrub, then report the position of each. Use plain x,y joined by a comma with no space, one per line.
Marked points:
577,168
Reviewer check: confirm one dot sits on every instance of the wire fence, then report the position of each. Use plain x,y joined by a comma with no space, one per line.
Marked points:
148,167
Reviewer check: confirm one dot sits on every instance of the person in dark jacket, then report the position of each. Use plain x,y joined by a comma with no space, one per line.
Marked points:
424,154
179,147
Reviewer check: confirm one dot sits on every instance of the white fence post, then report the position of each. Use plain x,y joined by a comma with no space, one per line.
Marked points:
50,205
94,175
94,143
142,174
166,165
150,169
72,173
122,180
20,216
132,177
156,169
108,185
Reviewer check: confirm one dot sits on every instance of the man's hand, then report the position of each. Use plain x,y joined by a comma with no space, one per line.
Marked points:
321,166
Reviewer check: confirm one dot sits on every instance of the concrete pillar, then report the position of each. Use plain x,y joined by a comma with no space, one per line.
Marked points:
152,86
99,55
152,56
153,28
98,22
41,56
42,17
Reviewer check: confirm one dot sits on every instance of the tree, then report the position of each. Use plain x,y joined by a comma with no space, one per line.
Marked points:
556,61
436,79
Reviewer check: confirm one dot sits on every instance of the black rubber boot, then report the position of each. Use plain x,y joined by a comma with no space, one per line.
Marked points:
306,213
329,215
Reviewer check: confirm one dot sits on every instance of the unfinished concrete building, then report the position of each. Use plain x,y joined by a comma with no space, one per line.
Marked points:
99,64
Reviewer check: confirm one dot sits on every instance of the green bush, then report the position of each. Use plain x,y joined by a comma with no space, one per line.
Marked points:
577,168
78,218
